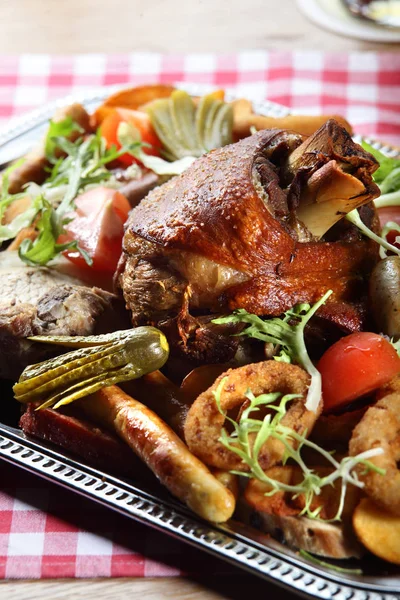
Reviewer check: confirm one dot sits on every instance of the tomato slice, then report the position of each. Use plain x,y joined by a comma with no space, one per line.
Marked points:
392,239
98,226
389,213
141,122
354,366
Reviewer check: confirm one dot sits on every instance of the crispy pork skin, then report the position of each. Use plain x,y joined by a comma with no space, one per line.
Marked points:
227,233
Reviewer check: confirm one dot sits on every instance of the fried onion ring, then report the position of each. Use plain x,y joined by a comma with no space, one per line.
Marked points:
380,428
204,422
393,387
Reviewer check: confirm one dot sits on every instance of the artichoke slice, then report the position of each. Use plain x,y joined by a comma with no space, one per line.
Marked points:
97,361
187,130
161,119
183,115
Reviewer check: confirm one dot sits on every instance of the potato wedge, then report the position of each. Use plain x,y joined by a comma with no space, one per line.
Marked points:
15,209
378,530
27,233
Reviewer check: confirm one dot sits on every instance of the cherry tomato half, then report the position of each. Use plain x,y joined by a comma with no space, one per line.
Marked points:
98,226
354,366
389,213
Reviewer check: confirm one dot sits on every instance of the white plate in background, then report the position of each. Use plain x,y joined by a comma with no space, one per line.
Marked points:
332,15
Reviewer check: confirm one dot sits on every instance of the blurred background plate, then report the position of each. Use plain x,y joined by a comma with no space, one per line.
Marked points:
334,16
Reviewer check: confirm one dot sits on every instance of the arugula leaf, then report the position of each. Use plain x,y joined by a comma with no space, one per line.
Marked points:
287,333
271,427
392,182
44,248
57,135
387,177
84,164
386,164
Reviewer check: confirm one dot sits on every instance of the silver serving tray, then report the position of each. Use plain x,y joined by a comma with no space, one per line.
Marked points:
236,543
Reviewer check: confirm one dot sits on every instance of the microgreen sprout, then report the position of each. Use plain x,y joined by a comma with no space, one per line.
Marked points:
355,218
288,334
250,434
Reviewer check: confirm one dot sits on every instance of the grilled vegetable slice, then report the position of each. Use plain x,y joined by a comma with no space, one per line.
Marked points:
98,361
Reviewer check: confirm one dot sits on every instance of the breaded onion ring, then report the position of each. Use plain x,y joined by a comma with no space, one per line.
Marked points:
204,422
380,428
389,388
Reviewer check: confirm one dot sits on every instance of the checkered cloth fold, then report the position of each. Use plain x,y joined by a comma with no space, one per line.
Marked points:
46,531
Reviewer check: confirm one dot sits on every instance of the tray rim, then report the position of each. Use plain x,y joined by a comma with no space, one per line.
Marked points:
270,562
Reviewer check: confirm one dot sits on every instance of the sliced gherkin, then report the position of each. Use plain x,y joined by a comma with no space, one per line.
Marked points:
97,362
187,130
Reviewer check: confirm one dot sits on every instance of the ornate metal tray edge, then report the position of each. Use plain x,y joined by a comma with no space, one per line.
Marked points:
175,520
229,543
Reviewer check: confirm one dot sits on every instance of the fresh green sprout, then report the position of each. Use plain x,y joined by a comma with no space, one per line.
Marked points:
387,177
288,334
271,427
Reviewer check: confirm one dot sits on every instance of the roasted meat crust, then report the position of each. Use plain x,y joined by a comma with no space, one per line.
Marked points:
234,210
214,210
63,310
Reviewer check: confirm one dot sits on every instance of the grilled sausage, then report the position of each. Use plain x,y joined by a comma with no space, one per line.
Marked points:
166,455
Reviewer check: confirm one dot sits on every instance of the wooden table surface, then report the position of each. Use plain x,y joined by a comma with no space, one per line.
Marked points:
78,26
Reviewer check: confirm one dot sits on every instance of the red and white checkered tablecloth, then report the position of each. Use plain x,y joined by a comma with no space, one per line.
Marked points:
46,531
364,87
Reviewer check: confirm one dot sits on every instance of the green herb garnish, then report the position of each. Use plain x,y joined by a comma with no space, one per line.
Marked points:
59,130
387,177
288,334
386,163
322,563
83,165
271,427
355,218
